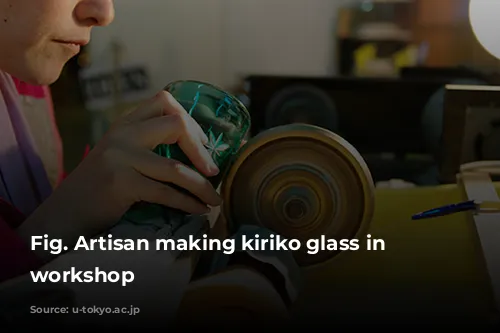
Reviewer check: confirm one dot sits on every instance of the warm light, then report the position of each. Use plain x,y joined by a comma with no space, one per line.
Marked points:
484,18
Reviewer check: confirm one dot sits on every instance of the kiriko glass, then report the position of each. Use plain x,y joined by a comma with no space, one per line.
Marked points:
225,121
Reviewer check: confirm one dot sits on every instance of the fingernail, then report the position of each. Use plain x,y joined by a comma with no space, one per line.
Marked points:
206,210
199,211
218,201
212,168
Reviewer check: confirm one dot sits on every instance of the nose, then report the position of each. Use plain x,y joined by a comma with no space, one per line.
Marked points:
95,12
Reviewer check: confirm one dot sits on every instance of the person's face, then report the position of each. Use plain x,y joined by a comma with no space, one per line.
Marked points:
37,37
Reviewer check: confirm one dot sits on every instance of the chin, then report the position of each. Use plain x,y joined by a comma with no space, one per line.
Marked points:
40,73
45,77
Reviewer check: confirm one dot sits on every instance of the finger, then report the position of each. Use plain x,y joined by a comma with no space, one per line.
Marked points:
174,107
203,114
198,155
153,108
171,171
154,192
175,129
163,104
203,138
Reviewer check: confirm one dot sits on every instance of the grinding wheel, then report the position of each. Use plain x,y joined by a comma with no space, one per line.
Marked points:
302,182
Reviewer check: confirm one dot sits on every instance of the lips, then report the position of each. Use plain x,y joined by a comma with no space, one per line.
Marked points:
78,42
72,45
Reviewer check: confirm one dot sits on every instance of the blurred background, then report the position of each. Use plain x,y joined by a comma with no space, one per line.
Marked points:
372,71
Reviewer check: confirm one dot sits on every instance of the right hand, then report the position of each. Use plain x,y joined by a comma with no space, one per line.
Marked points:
122,170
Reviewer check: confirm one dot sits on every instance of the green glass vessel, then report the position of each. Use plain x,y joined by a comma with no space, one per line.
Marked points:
225,121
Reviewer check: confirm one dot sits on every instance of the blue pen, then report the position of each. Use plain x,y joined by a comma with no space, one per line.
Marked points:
471,205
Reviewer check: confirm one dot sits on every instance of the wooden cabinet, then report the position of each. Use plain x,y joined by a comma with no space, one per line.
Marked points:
444,25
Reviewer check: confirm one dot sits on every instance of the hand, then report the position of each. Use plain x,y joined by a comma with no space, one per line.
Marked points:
122,170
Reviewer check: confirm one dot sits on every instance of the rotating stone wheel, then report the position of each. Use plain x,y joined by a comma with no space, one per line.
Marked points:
302,182
302,104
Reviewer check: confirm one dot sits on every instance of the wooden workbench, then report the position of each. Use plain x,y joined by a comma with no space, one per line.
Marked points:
430,268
